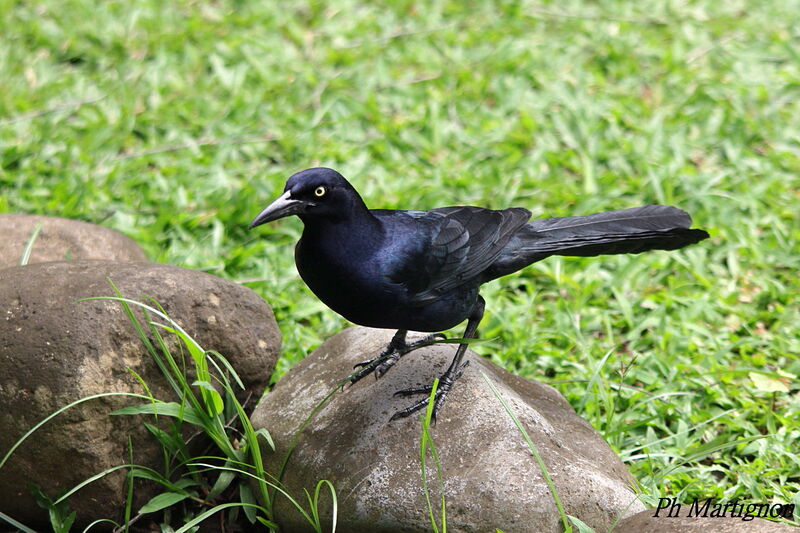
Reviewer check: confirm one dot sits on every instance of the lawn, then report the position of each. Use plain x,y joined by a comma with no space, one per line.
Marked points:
176,122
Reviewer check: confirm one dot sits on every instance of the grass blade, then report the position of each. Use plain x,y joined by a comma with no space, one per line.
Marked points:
425,443
26,254
23,528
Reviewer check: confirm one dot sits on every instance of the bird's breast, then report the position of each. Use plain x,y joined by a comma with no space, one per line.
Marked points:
345,278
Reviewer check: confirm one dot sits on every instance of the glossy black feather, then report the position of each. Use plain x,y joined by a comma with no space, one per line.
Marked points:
459,243
628,231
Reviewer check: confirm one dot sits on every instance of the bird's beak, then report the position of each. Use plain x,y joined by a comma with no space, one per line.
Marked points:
283,206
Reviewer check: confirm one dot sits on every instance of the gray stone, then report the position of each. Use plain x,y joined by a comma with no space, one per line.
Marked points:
62,239
647,522
55,349
490,477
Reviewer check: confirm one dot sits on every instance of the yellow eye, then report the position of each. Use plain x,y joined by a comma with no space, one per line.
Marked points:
319,191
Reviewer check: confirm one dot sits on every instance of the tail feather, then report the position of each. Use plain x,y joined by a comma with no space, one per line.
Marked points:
648,217
629,231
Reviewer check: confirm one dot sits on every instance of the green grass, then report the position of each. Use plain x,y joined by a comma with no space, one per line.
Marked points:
175,122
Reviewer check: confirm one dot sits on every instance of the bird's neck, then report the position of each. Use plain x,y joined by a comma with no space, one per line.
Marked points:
359,227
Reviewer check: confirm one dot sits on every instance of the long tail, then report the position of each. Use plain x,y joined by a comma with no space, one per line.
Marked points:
629,231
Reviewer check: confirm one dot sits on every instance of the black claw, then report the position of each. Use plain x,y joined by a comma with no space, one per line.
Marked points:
413,391
439,398
445,384
411,410
384,367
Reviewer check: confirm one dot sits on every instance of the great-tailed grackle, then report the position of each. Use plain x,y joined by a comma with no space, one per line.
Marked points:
422,270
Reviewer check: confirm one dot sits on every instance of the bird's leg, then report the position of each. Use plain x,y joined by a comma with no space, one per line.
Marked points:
397,348
450,375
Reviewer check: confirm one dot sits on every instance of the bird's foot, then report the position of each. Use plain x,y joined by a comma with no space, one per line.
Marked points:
445,384
388,357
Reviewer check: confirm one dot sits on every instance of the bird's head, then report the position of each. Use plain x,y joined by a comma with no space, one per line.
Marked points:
313,193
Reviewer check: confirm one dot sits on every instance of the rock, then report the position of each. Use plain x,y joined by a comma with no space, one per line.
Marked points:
55,349
62,239
491,479
647,522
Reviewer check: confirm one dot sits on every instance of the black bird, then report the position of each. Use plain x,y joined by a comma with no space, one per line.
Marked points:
422,270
